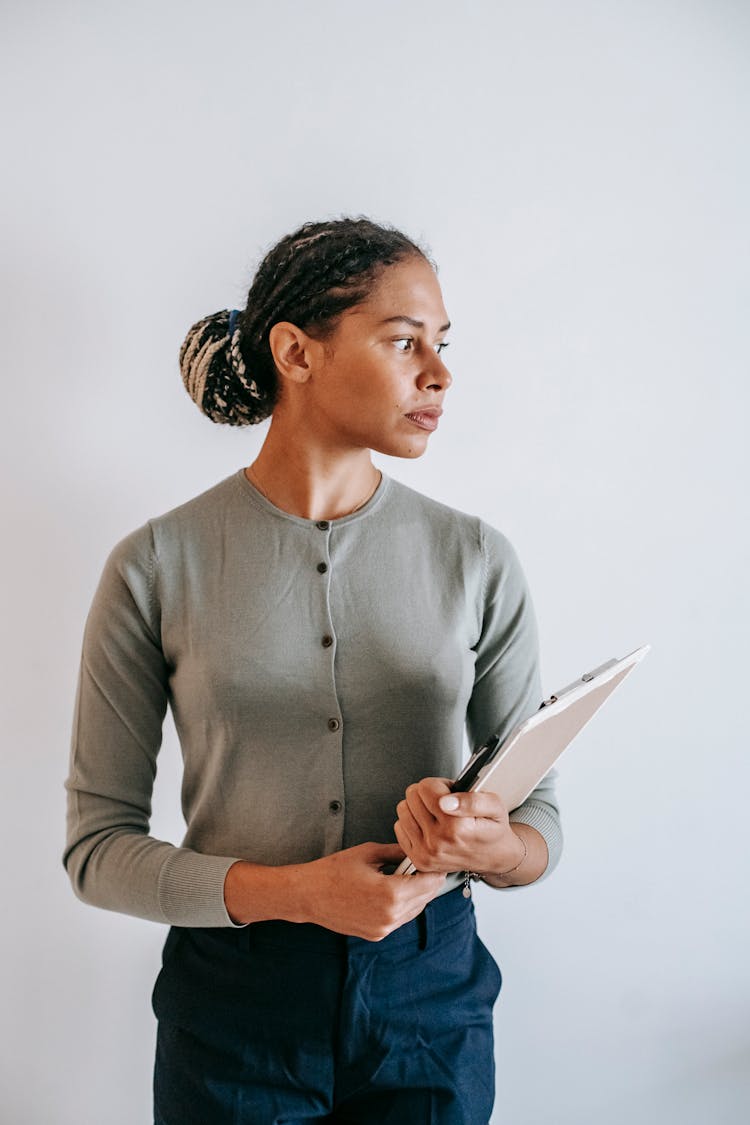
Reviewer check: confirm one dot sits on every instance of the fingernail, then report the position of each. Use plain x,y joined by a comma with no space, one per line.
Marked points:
448,804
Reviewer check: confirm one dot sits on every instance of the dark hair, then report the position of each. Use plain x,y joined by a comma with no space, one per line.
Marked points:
309,278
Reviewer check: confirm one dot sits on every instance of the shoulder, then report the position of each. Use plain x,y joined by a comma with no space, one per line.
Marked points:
141,550
472,553
180,532
492,544
199,515
434,514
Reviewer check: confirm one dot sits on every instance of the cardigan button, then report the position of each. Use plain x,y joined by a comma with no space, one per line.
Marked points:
323,525
334,806
322,568
327,641
333,724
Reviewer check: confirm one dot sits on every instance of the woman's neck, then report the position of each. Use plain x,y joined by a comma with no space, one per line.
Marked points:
310,482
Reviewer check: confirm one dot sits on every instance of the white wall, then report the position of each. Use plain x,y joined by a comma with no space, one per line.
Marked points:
580,171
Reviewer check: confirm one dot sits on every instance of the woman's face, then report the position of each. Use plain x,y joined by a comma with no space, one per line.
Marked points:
383,382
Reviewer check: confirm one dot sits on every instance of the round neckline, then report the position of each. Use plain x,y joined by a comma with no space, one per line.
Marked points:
256,496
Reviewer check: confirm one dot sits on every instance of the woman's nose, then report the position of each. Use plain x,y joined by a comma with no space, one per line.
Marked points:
436,376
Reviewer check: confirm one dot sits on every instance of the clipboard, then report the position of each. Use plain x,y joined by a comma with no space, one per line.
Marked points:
515,767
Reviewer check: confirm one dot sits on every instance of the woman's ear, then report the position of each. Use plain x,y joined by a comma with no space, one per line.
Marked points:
296,355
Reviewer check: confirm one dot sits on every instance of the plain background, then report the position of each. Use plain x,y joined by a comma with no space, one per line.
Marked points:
580,173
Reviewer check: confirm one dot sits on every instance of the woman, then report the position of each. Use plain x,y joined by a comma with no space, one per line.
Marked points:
322,634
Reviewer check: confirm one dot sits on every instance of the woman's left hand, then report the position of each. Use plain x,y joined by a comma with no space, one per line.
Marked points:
472,834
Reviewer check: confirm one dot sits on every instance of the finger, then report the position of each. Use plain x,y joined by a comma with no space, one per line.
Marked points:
425,883
430,880
408,822
383,853
430,790
482,804
423,888
416,803
403,838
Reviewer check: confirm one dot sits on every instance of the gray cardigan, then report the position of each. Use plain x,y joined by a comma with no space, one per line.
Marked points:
314,670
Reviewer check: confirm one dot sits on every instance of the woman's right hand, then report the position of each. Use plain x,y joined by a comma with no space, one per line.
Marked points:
345,892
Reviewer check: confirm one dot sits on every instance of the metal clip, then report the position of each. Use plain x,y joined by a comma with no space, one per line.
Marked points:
469,877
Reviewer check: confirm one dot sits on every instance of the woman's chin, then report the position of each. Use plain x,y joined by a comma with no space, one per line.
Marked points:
409,448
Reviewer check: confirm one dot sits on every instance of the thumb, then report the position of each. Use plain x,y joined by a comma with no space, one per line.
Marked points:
383,853
482,804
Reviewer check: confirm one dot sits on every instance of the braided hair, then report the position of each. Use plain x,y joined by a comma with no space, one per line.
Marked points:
309,278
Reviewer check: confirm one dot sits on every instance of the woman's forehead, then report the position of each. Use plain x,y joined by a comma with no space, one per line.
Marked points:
409,292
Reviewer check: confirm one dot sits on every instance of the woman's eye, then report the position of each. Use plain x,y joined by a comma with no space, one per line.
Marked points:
409,340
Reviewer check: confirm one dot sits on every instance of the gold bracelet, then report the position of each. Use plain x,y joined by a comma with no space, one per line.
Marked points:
472,876
502,874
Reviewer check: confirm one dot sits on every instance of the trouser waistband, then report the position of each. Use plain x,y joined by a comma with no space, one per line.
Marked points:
439,914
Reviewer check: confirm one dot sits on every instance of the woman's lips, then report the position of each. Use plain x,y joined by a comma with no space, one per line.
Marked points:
425,419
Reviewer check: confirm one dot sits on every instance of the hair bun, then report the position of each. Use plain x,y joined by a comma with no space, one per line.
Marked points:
214,373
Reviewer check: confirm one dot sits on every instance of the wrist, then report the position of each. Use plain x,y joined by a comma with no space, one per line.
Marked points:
530,861
255,892
520,859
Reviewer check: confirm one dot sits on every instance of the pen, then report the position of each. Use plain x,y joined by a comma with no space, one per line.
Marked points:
473,767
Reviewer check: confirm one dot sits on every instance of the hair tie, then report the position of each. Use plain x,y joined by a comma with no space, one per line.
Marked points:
214,372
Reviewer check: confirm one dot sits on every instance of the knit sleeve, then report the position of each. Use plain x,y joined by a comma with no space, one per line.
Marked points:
121,701
507,682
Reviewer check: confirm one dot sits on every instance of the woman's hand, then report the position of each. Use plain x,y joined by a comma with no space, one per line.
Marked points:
444,831
346,892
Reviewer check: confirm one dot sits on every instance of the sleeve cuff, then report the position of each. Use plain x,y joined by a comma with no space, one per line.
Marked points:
191,890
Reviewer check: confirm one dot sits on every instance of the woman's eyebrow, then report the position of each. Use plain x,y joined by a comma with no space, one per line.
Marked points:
414,323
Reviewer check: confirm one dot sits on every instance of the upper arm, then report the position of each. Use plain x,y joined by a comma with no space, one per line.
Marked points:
121,700
507,685
507,682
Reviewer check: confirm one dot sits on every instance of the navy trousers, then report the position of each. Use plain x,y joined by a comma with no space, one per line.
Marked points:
282,1023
